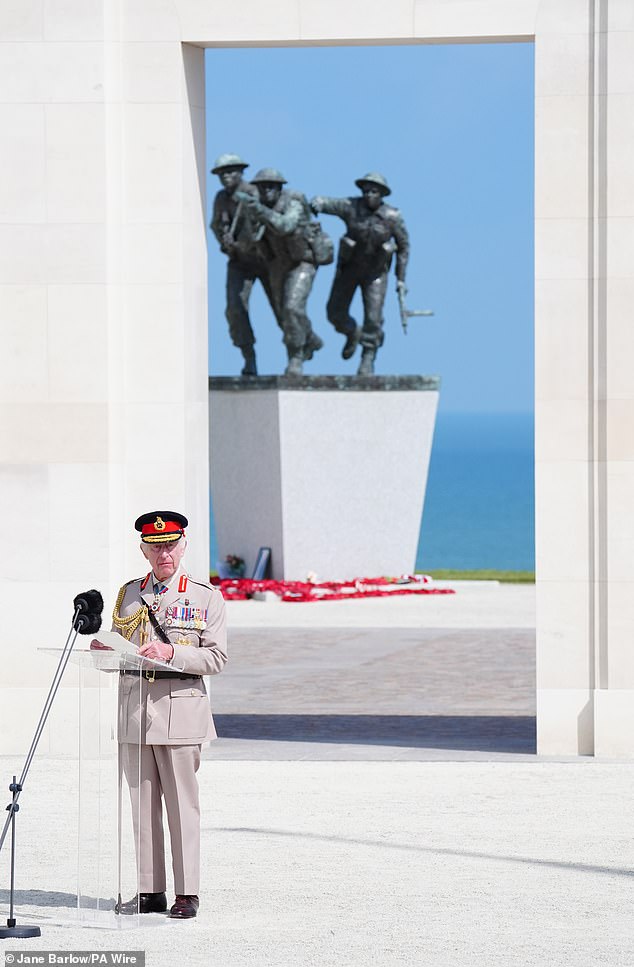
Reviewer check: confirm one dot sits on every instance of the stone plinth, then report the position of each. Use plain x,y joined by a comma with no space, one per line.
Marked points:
327,471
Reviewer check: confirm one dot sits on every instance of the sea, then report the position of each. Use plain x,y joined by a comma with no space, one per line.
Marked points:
479,511
479,508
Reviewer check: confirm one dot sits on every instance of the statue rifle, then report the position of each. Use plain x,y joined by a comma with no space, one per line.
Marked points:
234,224
408,313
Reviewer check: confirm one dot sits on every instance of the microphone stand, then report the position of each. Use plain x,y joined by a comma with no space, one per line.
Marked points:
15,787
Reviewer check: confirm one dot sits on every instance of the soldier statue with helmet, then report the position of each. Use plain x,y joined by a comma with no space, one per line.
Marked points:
375,231
232,227
293,247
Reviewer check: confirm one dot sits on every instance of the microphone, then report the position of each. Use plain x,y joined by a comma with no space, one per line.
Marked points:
88,607
88,624
89,602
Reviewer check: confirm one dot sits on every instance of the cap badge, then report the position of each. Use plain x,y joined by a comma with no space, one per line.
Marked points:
159,524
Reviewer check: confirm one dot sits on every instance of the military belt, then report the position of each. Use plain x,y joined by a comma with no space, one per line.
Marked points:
151,674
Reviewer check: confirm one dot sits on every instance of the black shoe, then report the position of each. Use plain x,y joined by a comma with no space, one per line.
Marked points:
184,907
143,903
352,341
313,345
366,366
250,368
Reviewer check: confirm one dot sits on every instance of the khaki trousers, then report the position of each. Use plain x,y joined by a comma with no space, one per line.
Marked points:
165,771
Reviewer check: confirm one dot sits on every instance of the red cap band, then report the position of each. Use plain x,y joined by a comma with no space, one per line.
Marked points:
161,531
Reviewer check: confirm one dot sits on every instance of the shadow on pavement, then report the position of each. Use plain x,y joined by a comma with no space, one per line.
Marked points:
571,867
482,733
43,898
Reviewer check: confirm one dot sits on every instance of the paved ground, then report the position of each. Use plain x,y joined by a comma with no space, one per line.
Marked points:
478,604
419,677
376,694
446,864
314,854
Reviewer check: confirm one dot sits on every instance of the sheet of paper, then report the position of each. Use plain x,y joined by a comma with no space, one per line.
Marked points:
114,641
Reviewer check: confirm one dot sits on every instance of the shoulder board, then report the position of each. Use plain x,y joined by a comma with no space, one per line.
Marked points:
128,583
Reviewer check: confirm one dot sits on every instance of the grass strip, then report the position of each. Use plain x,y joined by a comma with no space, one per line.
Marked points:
505,577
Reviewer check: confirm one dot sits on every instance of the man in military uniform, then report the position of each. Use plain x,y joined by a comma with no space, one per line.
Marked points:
284,217
180,621
232,227
374,232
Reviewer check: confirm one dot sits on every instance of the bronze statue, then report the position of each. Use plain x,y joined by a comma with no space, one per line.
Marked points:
283,228
233,229
374,232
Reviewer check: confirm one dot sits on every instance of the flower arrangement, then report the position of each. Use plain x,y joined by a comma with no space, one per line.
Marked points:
234,565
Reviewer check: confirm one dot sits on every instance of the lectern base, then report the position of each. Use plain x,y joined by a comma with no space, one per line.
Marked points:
20,933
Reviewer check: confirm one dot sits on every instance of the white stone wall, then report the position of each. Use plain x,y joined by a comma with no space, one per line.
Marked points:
584,200
614,388
103,402
103,314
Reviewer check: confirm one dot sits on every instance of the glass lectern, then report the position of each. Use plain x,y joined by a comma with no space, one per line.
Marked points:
107,861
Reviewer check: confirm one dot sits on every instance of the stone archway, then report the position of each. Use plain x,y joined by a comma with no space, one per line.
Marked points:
102,228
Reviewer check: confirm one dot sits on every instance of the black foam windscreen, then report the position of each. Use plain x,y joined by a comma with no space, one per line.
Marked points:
89,602
87,624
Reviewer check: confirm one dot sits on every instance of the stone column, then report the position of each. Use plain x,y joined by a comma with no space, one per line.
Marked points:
103,399
613,299
584,395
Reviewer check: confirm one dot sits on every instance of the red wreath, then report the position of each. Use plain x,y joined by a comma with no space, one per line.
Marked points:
241,589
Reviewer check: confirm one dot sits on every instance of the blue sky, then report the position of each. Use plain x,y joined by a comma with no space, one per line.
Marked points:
451,127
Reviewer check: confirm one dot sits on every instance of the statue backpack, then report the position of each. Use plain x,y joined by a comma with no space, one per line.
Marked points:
320,244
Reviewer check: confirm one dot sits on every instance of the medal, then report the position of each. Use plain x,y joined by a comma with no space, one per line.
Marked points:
156,604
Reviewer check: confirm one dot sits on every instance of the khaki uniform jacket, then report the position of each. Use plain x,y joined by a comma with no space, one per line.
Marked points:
174,711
